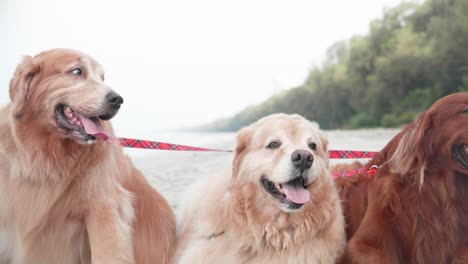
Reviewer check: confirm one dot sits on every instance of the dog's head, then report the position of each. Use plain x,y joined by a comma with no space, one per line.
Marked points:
283,155
62,92
436,141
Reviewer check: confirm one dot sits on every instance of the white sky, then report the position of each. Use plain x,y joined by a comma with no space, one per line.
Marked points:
183,63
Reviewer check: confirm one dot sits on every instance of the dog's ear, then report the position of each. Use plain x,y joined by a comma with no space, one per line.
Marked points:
410,155
243,140
324,140
24,79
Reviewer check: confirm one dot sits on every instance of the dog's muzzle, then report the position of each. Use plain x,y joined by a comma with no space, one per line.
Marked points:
112,104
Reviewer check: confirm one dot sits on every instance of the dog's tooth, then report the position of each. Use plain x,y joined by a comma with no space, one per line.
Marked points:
68,112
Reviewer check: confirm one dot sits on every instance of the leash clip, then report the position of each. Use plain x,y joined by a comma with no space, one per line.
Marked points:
372,170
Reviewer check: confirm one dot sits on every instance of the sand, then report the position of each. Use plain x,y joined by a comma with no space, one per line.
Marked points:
171,172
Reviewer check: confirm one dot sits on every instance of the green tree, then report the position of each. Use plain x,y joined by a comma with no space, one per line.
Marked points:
413,55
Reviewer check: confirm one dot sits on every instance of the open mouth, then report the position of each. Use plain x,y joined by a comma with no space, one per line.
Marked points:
293,193
461,154
82,128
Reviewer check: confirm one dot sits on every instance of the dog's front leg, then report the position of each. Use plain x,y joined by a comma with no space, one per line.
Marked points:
110,236
373,234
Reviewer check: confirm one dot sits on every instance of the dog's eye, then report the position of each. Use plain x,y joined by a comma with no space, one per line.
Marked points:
274,145
312,146
465,111
76,71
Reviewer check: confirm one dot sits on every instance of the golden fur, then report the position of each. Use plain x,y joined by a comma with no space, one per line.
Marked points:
231,218
68,201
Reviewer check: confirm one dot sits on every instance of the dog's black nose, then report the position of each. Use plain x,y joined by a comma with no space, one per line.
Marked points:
302,159
114,99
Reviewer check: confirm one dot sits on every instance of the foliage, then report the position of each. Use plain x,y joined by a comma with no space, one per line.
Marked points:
412,56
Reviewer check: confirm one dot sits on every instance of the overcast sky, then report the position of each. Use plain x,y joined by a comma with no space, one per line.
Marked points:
183,63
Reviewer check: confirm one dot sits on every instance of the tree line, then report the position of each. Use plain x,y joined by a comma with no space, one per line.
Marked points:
412,56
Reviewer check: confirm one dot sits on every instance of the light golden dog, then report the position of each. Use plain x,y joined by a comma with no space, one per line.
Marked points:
277,205
65,196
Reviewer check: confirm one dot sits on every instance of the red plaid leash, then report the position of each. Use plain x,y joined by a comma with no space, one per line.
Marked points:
333,154
370,172
351,154
148,144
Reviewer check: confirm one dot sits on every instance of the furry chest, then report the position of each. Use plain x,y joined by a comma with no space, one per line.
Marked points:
44,226
64,242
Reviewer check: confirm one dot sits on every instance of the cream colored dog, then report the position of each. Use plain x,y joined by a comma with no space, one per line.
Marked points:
67,196
277,205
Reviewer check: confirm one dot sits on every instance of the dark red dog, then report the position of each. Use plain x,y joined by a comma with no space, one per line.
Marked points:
415,209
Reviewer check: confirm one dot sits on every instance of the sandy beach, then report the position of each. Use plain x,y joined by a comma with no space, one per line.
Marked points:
171,172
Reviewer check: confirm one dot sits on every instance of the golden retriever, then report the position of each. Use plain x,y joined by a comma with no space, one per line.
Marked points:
67,196
277,205
415,209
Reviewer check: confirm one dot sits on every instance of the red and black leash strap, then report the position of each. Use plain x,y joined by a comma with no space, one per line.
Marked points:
333,154
157,145
343,174
148,144
351,154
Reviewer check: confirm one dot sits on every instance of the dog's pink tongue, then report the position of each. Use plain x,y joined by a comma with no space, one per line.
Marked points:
295,194
96,129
